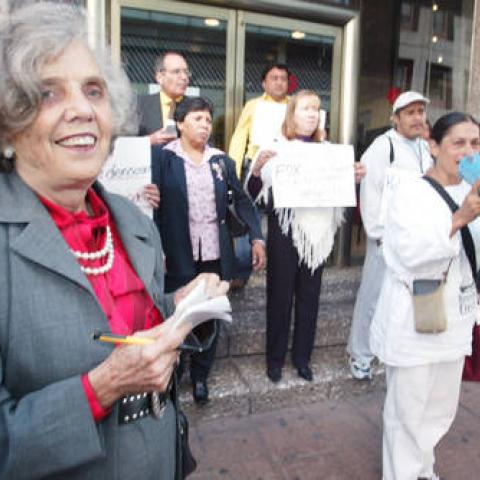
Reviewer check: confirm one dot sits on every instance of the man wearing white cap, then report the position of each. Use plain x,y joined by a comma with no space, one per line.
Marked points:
397,153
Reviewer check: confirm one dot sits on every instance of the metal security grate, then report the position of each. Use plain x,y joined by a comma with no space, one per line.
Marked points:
204,49
310,63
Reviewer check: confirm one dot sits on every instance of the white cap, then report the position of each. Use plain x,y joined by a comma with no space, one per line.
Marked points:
406,98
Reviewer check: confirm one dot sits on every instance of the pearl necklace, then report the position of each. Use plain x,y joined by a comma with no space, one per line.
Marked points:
106,251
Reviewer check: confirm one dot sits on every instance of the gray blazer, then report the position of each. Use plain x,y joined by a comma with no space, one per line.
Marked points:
150,113
48,312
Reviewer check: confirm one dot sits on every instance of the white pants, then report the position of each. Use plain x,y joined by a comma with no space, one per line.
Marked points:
419,409
372,277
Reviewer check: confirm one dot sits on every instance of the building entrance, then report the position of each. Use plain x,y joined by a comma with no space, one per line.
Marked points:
227,50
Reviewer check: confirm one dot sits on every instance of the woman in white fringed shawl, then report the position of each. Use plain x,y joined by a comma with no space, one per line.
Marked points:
299,241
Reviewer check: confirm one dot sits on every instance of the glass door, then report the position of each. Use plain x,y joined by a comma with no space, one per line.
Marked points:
311,51
141,30
227,51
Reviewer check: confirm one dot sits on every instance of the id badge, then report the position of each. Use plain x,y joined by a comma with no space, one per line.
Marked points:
468,302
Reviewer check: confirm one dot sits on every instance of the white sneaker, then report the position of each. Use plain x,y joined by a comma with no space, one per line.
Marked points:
361,370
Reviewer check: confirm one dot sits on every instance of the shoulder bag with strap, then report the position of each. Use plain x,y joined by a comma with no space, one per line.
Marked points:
467,238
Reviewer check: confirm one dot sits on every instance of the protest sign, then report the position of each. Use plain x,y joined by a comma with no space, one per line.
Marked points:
127,170
313,175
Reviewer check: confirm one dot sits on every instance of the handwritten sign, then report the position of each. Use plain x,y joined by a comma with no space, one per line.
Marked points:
313,175
128,169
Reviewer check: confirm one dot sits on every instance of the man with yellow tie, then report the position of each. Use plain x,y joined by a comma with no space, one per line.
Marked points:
259,123
156,110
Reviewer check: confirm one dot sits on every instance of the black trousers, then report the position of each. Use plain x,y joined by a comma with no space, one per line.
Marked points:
288,281
201,363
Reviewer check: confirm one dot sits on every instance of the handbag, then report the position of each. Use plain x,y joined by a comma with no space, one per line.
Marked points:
436,296
185,462
428,305
467,238
236,226
188,463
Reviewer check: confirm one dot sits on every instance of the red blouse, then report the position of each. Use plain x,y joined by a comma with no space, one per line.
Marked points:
120,292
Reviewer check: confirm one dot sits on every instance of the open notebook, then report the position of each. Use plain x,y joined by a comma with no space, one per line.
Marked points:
199,306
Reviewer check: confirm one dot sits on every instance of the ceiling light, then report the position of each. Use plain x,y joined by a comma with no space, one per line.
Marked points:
212,22
435,7
298,35
434,39
440,59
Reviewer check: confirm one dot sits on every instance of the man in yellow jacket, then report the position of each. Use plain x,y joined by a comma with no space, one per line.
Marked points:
259,123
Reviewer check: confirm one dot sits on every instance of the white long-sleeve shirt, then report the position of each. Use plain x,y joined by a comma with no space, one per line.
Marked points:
417,245
409,155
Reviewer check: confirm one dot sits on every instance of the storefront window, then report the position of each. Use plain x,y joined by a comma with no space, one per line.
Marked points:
399,55
146,34
420,45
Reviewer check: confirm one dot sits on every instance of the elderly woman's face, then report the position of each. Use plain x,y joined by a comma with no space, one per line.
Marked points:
69,140
462,139
196,128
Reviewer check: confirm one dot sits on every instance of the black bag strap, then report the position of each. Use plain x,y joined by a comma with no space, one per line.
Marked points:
467,238
392,153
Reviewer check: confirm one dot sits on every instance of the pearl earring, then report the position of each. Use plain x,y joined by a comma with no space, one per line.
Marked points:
9,152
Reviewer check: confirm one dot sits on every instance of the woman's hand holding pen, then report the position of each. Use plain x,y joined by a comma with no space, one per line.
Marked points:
148,367
139,368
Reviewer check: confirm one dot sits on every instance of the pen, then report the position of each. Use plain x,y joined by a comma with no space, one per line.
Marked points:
123,339
131,340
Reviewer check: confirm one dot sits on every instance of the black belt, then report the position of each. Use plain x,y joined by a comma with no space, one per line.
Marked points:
139,405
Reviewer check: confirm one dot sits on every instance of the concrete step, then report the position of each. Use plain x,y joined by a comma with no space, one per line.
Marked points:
239,385
246,335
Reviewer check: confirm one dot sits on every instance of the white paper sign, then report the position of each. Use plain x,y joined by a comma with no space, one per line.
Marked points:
313,175
267,122
128,170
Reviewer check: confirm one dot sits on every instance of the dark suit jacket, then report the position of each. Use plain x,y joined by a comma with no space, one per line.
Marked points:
150,113
168,172
48,311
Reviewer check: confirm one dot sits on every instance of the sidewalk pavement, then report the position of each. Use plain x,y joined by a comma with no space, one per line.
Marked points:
329,440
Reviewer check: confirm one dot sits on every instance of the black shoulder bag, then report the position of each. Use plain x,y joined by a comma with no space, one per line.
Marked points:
236,226
185,462
467,238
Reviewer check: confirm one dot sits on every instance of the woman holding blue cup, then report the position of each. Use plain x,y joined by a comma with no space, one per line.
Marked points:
428,258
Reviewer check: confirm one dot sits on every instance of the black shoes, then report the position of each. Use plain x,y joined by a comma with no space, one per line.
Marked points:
200,392
274,374
305,373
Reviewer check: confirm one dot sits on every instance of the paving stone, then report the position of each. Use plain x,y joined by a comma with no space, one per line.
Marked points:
228,394
328,440
239,385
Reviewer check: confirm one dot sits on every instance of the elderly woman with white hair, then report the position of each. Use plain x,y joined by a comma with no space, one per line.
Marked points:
75,259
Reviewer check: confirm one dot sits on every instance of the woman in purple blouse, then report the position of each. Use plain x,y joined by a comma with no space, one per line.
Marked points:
194,180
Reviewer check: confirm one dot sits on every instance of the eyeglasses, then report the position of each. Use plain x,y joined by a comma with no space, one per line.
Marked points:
178,71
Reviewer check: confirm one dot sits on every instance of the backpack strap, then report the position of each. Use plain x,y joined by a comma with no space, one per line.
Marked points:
392,153
467,238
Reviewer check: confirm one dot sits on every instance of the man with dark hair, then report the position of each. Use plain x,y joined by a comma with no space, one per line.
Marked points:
249,133
259,123
156,110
